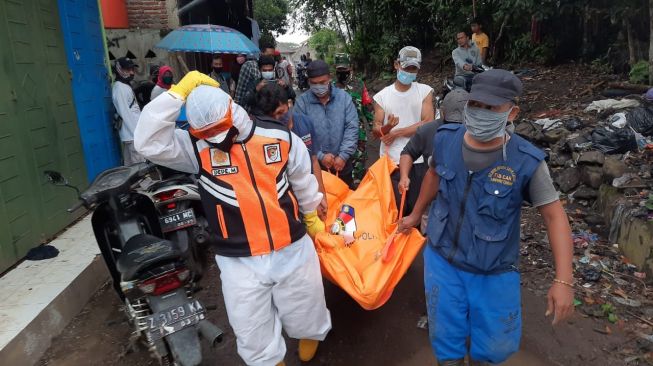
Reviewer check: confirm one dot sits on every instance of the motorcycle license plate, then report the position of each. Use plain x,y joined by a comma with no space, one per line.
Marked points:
174,319
177,220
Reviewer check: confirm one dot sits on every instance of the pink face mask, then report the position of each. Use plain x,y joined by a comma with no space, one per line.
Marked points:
240,59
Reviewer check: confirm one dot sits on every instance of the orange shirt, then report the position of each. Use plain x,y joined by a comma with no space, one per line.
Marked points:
482,40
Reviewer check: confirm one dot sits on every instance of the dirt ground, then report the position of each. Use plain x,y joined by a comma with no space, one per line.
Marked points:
389,335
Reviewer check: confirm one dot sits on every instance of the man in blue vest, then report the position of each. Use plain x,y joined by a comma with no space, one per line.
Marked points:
479,176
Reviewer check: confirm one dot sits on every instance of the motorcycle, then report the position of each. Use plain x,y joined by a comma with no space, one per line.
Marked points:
179,208
154,276
451,84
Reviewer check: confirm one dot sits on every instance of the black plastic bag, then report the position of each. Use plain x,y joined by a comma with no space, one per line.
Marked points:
641,120
573,123
614,141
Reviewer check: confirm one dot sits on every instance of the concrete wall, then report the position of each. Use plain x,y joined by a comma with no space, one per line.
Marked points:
635,236
138,42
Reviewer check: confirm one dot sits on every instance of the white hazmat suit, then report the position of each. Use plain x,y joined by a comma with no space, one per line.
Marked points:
263,294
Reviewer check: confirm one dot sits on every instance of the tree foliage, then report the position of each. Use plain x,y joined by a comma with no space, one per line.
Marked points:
272,15
520,30
326,42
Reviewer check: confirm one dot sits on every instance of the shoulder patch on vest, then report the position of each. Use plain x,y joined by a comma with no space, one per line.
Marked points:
219,158
272,153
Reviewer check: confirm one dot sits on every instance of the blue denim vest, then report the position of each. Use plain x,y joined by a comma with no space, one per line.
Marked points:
474,221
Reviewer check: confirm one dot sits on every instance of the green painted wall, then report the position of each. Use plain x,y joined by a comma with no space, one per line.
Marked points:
38,128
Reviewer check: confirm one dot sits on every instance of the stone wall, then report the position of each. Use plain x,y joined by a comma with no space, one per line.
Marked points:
634,235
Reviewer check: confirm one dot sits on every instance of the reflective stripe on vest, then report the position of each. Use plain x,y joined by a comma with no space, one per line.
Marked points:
246,193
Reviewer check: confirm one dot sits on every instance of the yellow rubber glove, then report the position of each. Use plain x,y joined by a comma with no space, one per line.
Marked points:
190,81
313,224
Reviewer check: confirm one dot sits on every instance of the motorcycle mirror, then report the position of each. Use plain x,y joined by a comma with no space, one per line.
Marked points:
55,178
58,179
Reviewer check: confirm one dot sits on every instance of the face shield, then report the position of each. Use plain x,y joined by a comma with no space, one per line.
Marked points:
210,116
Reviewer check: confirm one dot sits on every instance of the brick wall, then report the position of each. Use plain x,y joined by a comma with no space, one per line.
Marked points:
147,14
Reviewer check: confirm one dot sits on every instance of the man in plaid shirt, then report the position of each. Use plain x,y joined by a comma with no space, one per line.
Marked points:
250,75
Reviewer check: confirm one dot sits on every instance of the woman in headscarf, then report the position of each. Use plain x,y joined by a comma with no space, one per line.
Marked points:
163,82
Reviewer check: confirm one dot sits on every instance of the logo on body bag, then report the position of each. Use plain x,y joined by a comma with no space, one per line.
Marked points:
345,224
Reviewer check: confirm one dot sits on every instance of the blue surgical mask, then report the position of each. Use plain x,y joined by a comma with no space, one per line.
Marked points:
319,90
405,77
267,75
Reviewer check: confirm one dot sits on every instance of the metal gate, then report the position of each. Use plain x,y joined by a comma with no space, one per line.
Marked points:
38,128
82,31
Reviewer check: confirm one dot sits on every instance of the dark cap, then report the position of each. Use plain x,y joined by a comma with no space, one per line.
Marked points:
317,68
495,87
453,105
126,63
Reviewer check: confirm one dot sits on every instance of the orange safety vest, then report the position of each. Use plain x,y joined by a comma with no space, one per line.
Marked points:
246,193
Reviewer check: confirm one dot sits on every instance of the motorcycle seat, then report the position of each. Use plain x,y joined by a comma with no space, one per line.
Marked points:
144,251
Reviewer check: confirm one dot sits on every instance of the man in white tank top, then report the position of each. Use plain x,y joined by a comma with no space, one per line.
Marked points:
399,109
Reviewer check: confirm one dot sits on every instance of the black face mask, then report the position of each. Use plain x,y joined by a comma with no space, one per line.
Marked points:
342,77
126,80
217,70
228,141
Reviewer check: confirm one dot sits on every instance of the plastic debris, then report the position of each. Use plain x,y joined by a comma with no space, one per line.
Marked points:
641,120
549,124
614,141
42,252
573,123
627,302
624,180
590,274
584,239
601,105
618,120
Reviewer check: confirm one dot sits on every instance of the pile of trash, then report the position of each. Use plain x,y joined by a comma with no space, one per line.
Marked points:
609,143
585,154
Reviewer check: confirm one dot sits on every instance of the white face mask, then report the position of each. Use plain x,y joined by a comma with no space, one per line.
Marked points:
267,75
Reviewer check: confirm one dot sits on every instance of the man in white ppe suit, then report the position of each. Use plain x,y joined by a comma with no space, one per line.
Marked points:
256,186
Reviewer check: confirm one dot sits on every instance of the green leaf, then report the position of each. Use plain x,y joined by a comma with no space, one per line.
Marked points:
577,302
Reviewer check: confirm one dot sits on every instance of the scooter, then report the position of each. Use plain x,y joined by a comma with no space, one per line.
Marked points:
302,77
179,208
451,84
152,275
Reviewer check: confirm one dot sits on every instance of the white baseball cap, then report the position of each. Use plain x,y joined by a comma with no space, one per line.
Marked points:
410,56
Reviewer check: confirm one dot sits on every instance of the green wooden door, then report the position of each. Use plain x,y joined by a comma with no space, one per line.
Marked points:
38,128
